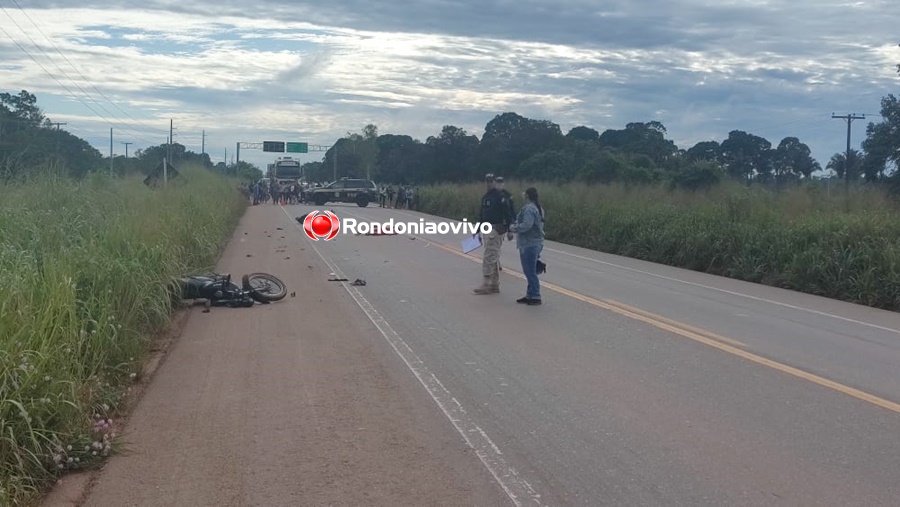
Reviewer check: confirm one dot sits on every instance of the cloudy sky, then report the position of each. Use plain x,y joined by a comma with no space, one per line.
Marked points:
312,71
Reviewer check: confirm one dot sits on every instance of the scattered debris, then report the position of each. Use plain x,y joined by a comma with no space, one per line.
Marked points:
293,294
310,267
279,229
358,282
205,310
338,280
286,258
282,237
245,234
413,238
248,255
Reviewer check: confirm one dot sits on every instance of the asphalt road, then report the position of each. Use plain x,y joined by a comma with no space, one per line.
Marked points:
636,383
633,384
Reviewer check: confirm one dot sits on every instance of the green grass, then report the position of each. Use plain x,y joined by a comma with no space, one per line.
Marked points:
84,274
808,238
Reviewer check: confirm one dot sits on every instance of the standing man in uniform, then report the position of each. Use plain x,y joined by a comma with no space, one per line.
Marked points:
496,209
512,212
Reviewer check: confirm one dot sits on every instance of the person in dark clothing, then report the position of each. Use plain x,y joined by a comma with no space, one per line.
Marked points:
497,211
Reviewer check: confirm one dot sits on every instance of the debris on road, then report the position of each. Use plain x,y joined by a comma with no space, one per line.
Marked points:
279,229
358,282
338,280
249,255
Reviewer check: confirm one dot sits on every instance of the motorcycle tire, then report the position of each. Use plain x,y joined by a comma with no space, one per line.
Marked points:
265,287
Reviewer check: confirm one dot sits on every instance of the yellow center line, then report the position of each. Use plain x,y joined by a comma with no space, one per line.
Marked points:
698,335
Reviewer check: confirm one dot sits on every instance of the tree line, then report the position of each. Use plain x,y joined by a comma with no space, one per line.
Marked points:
520,147
512,145
30,140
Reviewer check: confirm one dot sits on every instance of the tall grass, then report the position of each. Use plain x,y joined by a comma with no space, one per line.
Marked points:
84,274
810,238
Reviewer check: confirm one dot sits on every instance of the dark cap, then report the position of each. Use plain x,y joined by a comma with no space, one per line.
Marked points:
489,177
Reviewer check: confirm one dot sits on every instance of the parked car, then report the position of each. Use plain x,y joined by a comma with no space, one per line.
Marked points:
361,192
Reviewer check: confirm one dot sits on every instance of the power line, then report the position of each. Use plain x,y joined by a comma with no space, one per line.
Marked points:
60,68
47,71
68,90
75,67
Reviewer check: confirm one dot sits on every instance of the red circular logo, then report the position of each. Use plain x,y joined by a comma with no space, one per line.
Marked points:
321,226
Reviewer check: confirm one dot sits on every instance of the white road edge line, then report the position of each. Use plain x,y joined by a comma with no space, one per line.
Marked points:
726,291
487,451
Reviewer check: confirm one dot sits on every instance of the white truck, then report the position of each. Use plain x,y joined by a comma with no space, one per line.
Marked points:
285,170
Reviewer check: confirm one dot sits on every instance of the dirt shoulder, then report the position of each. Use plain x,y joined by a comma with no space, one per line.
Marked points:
301,402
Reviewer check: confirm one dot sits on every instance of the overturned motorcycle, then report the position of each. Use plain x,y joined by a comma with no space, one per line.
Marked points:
218,290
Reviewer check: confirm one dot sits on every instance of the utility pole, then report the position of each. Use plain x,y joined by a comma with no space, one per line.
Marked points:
169,151
203,144
57,135
126,148
110,152
335,164
238,157
849,118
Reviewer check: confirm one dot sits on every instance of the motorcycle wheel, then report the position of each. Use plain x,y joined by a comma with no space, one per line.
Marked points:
265,287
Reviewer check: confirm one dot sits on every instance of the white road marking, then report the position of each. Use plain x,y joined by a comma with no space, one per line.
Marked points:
726,291
516,487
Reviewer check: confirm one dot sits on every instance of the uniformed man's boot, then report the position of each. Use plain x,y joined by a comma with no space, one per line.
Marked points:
488,287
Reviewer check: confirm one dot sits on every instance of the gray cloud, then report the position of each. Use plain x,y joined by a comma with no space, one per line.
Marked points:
771,69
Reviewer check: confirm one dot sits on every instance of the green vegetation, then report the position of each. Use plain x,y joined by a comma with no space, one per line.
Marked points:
85,267
745,207
809,238
28,140
525,148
